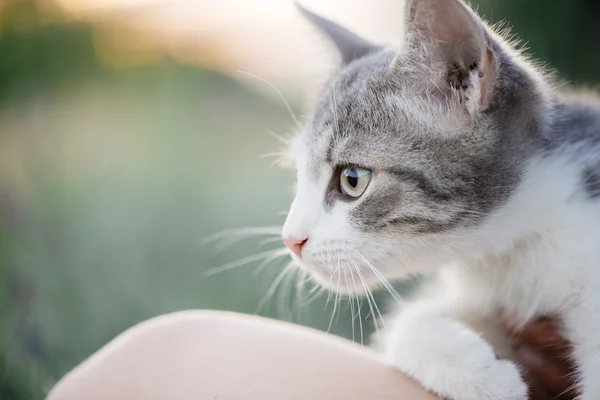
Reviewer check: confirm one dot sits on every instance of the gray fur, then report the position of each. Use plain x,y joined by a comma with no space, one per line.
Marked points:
591,180
435,176
447,174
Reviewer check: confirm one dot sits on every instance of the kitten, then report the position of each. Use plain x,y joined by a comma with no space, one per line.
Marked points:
453,154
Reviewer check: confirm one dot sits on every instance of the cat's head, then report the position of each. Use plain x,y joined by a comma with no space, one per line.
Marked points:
410,150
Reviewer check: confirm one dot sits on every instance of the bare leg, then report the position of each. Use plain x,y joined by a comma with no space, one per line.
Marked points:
216,355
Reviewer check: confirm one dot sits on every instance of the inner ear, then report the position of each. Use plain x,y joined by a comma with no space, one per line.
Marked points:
459,77
452,33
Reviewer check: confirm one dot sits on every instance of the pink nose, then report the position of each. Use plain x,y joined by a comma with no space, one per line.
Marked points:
295,245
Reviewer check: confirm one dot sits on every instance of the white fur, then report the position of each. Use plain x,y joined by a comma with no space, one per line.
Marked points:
537,255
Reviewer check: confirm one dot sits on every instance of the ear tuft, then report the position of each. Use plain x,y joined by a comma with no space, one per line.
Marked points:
350,46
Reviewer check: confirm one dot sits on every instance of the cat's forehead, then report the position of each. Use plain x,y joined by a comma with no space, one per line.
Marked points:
358,88
367,116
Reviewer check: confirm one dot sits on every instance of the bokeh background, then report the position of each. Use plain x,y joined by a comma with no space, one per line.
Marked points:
130,130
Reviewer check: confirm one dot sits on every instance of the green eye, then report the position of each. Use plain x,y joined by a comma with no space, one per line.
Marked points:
354,181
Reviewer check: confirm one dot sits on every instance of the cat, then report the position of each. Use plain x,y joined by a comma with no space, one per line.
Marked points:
454,155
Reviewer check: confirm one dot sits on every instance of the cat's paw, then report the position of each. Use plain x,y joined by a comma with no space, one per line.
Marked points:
452,361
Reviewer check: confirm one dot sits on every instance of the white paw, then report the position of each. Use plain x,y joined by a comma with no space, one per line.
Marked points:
452,361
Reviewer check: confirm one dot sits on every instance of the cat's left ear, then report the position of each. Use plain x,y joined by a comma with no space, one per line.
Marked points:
452,34
349,45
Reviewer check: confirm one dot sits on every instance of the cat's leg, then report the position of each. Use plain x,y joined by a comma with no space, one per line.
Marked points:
447,357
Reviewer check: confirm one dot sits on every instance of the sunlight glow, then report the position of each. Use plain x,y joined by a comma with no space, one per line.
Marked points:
264,37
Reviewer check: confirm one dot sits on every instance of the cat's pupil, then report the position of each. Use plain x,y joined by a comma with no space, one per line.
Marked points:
353,181
352,178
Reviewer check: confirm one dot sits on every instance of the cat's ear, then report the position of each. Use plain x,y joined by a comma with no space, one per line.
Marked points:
454,36
350,46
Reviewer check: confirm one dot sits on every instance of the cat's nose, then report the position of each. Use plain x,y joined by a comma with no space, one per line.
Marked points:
295,245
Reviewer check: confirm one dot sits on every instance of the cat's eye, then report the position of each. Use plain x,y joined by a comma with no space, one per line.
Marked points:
354,181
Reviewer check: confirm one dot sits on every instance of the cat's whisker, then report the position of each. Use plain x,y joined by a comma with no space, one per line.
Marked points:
370,300
285,141
278,162
316,291
300,289
351,301
281,159
388,286
358,305
329,284
335,301
276,154
284,296
241,233
303,88
276,239
276,253
247,231
339,310
279,93
337,288
289,268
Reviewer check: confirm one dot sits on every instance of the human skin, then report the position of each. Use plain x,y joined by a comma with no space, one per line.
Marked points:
218,355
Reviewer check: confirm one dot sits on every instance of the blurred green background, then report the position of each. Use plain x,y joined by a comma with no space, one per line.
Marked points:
111,177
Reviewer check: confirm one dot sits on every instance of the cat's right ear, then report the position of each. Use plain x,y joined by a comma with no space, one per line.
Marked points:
349,45
451,34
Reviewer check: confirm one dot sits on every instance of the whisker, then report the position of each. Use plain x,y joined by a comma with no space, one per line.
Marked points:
388,286
300,286
372,303
276,254
270,240
303,88
272,86
273,154
273,287
245,261
329,285
316,292
358,306
285,141
369,292
232,236
335,301
284,297
351,299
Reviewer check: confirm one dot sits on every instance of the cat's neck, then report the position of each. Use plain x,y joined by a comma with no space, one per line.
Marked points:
541,207
555,183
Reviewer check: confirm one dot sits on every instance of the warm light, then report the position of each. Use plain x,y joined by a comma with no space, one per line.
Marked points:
268,38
